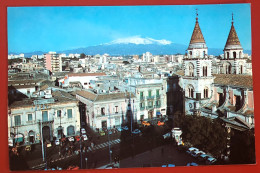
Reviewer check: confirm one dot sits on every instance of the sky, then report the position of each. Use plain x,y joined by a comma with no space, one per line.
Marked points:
63,28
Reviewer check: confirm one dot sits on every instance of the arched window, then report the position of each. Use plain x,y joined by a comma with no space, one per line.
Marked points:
206,92
204,71
234,54
190,91
227,55
240,54
204,54
70,131
241,69
227,68
190,69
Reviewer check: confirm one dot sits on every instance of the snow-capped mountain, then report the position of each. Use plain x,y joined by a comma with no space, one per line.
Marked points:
139,40
136,45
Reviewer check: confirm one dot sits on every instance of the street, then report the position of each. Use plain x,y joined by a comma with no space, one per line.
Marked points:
146,149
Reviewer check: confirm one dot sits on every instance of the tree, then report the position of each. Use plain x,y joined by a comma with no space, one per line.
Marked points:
204,133
82,55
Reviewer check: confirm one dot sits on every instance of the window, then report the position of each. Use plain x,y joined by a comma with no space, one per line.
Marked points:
190,91
17,120
206,93
59,113
44,116
69,112
150,93
241,69
29,117
227,55
141,95
142,105
234,54
103,111
191,70
205,71
116,109
240,54
157,103
157,92
70,131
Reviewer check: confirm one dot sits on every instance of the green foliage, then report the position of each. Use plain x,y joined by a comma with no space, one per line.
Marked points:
16,60
82,55
204,133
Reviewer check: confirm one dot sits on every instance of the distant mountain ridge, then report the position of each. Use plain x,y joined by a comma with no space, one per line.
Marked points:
135,45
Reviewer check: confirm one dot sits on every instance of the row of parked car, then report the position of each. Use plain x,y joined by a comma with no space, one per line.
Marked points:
83,136
202,156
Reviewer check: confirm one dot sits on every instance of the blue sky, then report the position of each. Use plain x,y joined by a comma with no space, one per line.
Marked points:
62,28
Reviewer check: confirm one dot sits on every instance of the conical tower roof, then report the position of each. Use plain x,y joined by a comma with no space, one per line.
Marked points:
232,40
197,36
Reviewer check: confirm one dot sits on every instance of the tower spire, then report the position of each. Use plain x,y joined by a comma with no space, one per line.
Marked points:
197,15
232,36
232,18
197,36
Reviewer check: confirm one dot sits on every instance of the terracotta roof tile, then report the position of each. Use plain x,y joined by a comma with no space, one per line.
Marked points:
235,80
103,97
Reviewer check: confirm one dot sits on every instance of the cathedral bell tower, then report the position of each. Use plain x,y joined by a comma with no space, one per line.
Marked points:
233,48
197,79
233,61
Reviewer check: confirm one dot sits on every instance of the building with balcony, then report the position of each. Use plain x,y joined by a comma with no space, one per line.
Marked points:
52,62
104,111
33,120
150,95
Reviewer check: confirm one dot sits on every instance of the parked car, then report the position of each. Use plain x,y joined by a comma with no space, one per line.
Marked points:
57,142
168,165
204,157
146,123
196,153
85,137
28,148
211,160
48,144
102,133
192,164
191,149
10,142
119,129
71,139
136,131
63,139
111,166
83,131
167,135
77,138
125,128
159,123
